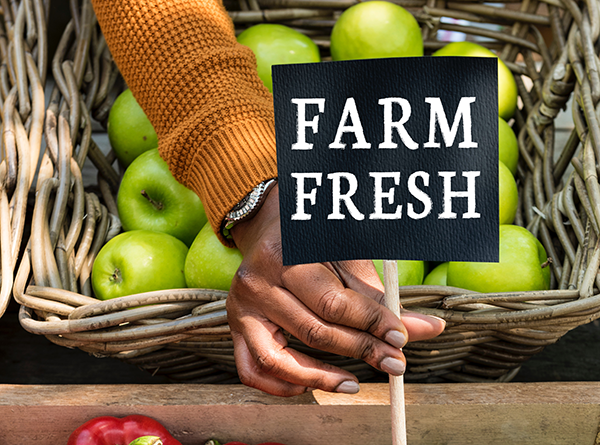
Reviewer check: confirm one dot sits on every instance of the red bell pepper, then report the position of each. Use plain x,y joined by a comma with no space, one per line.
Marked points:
108,430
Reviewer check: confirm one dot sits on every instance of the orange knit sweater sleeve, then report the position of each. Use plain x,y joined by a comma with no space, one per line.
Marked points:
200,89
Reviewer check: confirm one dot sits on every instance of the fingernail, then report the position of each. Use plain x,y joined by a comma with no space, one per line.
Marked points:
438,318
393,366
396,339
348,387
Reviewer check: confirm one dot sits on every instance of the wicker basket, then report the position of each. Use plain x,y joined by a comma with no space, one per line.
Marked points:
183,333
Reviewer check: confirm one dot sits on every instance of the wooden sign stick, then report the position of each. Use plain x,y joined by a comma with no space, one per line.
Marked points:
392,301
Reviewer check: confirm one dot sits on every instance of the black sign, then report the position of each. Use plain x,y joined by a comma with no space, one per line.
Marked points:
388,159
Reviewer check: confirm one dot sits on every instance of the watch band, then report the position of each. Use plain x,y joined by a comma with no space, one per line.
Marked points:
247,207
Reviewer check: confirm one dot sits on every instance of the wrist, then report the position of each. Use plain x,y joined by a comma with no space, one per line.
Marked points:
248,231
247,208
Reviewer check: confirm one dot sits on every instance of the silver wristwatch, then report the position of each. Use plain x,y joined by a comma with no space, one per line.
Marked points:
247,207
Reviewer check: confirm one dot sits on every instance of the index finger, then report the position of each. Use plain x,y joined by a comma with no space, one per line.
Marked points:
321,291
362,277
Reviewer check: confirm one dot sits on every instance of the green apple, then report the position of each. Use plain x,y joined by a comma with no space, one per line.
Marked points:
138,261
375,29
210,264
438,276
426,267
522,266
129,131
508,146
410,273
507,87
151,198
509,194
274,44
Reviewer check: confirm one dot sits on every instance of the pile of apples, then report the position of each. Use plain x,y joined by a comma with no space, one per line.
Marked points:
380,29
167,242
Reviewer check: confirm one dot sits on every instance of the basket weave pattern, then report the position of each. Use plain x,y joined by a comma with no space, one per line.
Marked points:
184,333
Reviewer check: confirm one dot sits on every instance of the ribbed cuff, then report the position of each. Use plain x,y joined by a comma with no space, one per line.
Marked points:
228,165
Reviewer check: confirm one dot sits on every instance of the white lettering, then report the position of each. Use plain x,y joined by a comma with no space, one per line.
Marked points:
437,114
355,127
389,124
379,195
303,124
338,197
302,196
449,194
419,194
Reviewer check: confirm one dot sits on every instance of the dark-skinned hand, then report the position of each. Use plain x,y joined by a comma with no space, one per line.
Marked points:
335,307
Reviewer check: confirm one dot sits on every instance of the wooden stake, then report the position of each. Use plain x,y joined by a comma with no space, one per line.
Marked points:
392,301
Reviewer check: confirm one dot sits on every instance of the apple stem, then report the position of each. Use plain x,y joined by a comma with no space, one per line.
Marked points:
547,262
156,204
116,276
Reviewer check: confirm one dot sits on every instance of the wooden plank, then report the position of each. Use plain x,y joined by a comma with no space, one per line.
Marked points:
532,413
